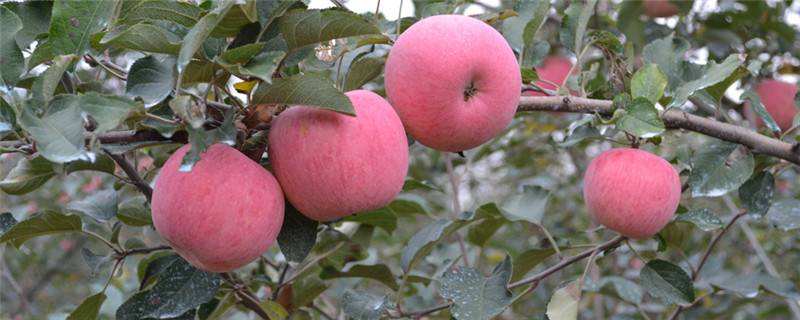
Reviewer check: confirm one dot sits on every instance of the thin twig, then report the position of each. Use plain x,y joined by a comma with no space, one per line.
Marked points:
456,205
125,253
129,170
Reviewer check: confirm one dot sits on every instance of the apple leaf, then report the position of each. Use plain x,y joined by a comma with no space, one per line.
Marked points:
785,214
359,305
641,119
132,308
528,206
107,110
142,37
152,267
760,110
712,73
527,260
384,218
41,54
297,236
480,233
89,308
74,21
362,72
47,82
260,66
666,281
305,90
306,290
101,163
27,176
235,19
180,288
750,284
564,303
182,13
101,205
13,63
378,272
35,18
95,261
150,79
719,167
199,33
702,218
584,132
413,184
617,287
475,296
667,53
59,134
756,193
305,27
649,82
8,118
40,224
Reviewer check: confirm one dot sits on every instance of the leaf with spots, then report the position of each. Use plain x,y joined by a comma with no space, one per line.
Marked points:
74,21
475,296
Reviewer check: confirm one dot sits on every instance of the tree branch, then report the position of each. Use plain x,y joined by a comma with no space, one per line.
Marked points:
673,120
137,180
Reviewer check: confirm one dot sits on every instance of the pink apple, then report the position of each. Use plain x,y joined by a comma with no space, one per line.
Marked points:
454,81
778,99
659,8
631,191
331,165
554,69
223,214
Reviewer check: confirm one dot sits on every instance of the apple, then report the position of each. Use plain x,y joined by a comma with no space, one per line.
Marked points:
331,165
554,69
631,191
454,81
223,214
659,8
778,99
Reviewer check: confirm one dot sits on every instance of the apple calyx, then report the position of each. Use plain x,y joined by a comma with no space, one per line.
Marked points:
470,91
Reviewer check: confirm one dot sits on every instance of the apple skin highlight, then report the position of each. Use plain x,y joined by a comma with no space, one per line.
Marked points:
631,191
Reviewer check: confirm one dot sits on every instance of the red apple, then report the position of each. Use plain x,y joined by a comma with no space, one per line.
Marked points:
659,8
331,165
778,99
454,81
554,69
223,214
631,191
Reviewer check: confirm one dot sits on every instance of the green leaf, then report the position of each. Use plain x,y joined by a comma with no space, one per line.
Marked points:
667,53
564,303
373,40
528,75
750,284
59,134
133,307
101,205
182,13
756,193
617,287
718,90
12,64
74,21
297,236
423,242
378,272
712,74
27,176
89,308
584,132
143,37
702,218
569,26
760,110
261,66
134,212
785,214
199,33
40,224
527,260
35,17
359,305
528,206
384,218
41,54
666,281
47,82
273,310
6,222
95,261
235,19
641,120
102,163
8,118
108,111
150,79
305,27
719,167
413,184
306,290
180,288
242,54
476,297
150,269
538,13
480,233
362,72
649,82
306,90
